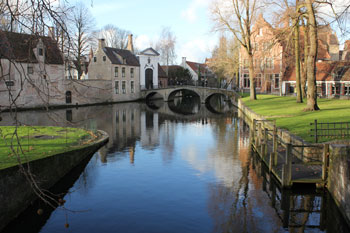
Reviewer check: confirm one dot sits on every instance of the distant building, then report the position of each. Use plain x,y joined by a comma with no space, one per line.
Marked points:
32,70
201,73
274,62
149,63
119,66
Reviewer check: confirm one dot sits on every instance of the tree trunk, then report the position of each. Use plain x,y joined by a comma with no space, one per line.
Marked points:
306,49
297,56
311,60
251,77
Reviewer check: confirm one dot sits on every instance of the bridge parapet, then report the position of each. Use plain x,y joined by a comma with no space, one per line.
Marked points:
203,92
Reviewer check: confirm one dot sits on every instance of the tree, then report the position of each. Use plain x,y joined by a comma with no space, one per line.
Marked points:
81,34
225,60
114,37
311,58
166,47
237,16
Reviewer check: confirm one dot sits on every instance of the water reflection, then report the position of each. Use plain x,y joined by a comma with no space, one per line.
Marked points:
176,167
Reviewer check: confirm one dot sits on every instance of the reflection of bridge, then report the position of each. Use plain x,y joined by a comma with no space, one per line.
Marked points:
200,112
204,93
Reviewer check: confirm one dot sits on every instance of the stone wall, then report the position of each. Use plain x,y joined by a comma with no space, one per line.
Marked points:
16,192
338,182
306,154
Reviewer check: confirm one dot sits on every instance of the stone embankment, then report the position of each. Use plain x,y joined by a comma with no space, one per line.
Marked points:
16,193
337,165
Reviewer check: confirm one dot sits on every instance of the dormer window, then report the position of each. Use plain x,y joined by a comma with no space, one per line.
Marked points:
30,70
40,51
124,60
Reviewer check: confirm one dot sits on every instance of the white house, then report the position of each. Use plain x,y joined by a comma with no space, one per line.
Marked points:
149,59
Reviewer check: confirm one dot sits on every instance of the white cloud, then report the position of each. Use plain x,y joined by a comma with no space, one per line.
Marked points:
196,49
144,41
194,8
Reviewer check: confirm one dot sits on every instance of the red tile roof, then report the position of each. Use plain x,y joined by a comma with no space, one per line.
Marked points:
325,71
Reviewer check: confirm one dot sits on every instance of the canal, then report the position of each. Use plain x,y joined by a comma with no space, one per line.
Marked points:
171,167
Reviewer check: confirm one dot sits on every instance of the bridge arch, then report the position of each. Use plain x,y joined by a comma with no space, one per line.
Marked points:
210,95
184,91
156,94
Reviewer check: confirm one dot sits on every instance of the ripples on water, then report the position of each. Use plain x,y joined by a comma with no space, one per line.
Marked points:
177,167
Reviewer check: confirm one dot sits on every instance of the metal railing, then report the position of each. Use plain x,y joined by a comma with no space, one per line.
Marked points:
330,130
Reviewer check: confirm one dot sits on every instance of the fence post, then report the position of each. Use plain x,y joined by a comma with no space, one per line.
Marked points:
287,167
259,133
274,142
266,137
254,128
316,131
325,162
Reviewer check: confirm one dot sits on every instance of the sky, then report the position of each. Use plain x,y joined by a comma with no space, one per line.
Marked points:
189,20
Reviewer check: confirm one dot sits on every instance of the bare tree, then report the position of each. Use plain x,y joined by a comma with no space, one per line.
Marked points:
114,37
81,34
225,59
166,47
237,16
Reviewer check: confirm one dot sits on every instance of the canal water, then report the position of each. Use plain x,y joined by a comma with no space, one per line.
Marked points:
171,167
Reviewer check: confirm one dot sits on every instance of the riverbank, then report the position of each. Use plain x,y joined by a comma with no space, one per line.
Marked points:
28,143
336,169
289,115
17,192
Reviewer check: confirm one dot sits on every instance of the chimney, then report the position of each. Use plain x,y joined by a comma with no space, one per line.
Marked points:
184,62
101,44
130,46
51,33
91,54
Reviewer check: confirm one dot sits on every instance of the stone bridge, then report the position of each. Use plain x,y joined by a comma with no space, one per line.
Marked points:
204,93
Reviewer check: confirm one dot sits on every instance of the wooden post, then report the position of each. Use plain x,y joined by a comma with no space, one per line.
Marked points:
266,137
325,162
287,167
274,142
254,129
316,131
259,133
271,162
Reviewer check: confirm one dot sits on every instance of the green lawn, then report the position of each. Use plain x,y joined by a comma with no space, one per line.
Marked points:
290,115
35,142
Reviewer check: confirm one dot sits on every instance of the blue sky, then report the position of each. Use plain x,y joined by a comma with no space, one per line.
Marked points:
188,19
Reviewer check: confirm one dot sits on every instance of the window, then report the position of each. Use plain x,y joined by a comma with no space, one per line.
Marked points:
256,46
277,81
124,60
95,59
267,46
40,51
257,63
124,115
104,58
131,72
68,97
246,81
132,86
10,83
347,90
116,87
258,81
123,72
269,63
123,87
30,70
115,71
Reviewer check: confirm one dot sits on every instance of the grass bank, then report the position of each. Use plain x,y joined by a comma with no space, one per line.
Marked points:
29,143
290,115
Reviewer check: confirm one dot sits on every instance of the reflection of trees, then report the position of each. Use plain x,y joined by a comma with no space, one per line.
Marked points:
185,106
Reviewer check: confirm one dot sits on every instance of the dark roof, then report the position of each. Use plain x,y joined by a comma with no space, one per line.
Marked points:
154,51
111,53
20,47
